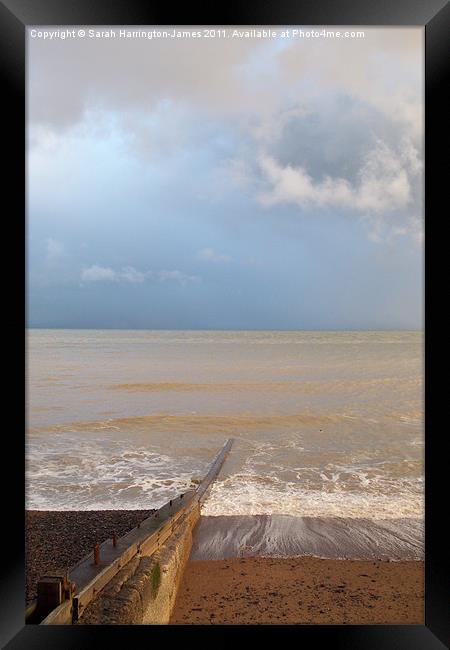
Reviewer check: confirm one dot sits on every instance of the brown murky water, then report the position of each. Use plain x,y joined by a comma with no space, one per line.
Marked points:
327,424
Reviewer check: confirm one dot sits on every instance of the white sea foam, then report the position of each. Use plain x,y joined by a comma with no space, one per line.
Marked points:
101,479
250,495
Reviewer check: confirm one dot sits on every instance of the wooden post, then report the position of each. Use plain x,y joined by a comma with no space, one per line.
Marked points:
49,594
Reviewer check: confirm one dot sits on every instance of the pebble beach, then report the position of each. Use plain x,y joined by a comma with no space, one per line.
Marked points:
56,540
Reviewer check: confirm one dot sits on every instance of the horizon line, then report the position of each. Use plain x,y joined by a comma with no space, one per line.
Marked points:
229,329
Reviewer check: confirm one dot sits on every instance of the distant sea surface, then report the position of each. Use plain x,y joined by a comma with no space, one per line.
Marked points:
326,424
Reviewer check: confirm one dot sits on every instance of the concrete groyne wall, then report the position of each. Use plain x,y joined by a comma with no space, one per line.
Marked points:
134,579
145,590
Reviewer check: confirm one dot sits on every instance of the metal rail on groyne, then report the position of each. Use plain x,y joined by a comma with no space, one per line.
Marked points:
63,598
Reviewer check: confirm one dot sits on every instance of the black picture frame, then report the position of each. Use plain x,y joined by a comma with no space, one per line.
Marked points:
15,16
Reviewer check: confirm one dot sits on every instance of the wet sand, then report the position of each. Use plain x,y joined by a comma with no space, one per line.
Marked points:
246,590
302,590
334,538
55,540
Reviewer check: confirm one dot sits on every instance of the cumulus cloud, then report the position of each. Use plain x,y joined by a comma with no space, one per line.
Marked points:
130,274
96,273
210,255
383,184
177,276
341,153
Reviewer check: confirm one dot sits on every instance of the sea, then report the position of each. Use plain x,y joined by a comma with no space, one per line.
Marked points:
328,428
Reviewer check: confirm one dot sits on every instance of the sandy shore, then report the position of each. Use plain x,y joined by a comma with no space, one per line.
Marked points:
250,590
305,590
56,540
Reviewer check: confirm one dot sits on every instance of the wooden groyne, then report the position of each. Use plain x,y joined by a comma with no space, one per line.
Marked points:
162,540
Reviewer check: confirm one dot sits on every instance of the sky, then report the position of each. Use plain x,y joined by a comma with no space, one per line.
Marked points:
225,183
